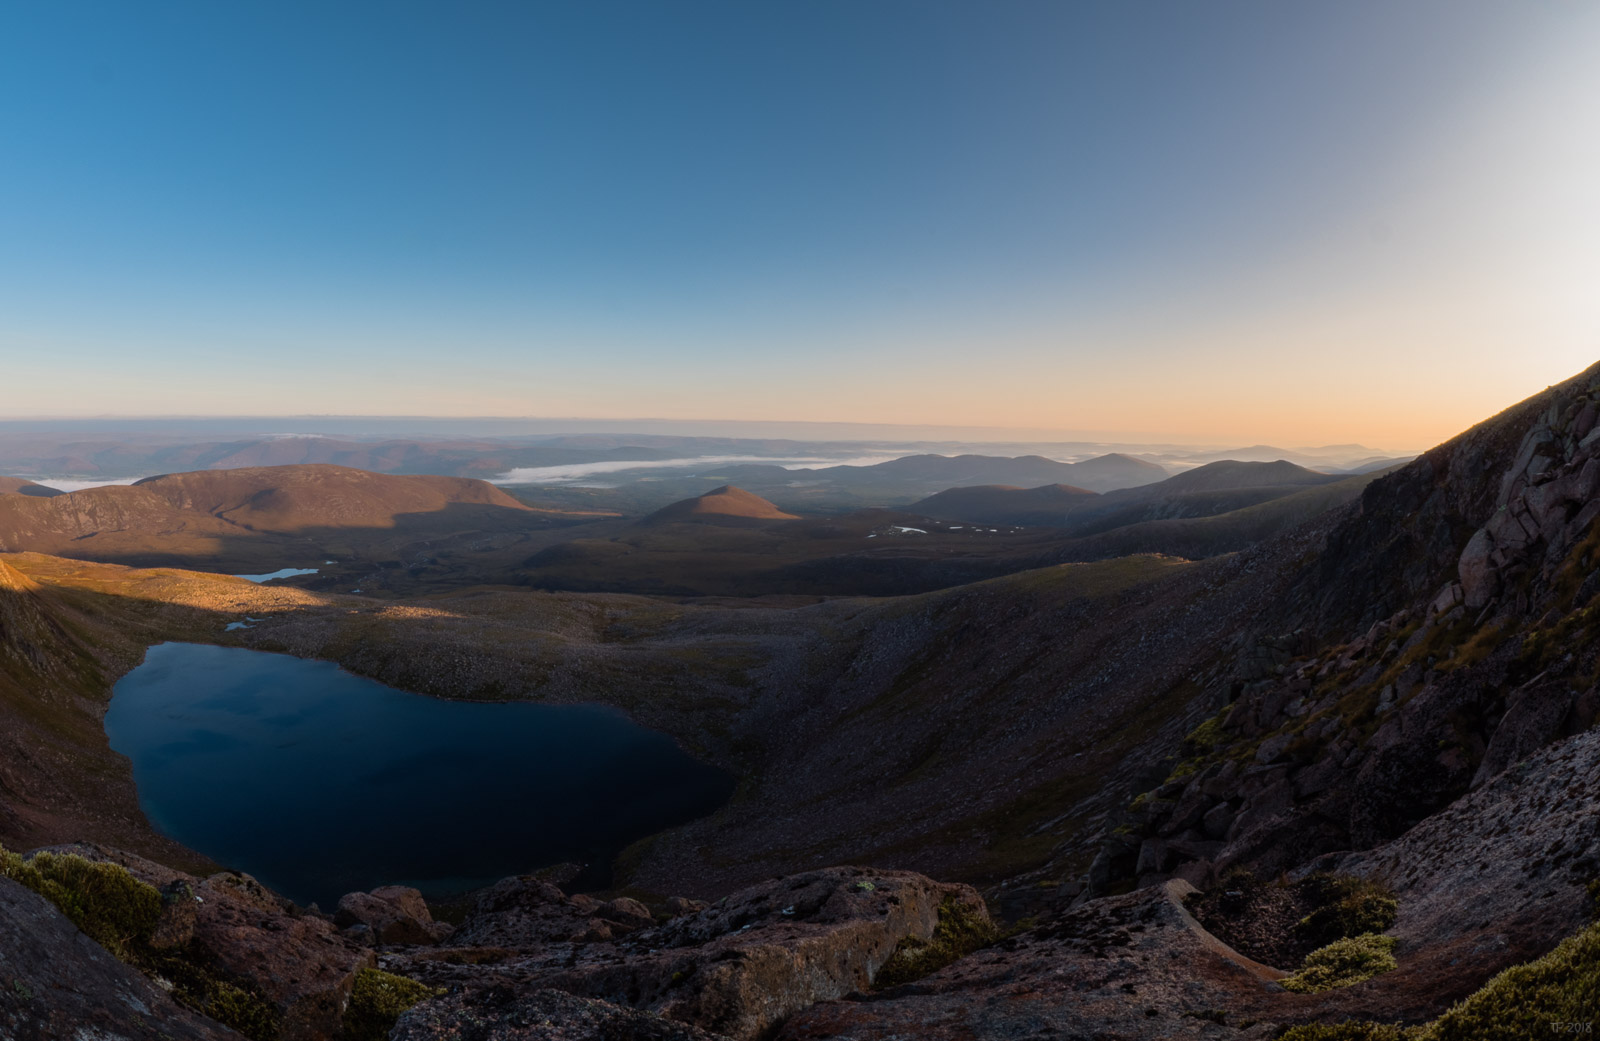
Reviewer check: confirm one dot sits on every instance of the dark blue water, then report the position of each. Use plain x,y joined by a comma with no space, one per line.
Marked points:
320,783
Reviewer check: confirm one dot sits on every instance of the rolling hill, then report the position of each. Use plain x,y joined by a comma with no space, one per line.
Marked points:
242,519
725,505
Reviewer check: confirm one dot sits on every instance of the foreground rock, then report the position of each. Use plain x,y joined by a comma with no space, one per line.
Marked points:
499,1014
293,961
58,983
738,968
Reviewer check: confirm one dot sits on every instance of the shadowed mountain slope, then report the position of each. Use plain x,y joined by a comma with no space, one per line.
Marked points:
21,486
1002,504
294,498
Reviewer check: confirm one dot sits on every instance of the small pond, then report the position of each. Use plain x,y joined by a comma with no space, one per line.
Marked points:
319,782
283,572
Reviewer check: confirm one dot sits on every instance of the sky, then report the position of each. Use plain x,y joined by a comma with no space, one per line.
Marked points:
1363,221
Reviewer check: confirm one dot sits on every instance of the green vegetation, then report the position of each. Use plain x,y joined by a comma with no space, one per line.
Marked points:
112,907
377,1000
1538,999
120,913
1343,963
1205,737
1347,906
961,930
1550,996
198,987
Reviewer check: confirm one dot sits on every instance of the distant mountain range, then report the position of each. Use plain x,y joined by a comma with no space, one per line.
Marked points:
1202,492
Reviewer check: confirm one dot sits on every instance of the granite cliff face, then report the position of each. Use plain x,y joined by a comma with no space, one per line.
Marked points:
1379,710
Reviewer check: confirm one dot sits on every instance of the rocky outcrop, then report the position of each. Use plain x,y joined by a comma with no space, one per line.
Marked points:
1547,500
55,982
293,960
737,968
389,915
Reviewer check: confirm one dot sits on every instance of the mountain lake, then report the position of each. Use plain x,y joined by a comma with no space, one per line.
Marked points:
319,782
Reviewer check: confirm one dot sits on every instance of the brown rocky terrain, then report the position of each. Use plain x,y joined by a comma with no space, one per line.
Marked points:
1399,689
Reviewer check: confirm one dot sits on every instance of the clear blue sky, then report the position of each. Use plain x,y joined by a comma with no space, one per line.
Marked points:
1054,214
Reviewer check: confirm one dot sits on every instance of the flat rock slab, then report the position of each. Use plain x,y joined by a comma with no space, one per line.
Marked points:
500,1014
55,983
1128,968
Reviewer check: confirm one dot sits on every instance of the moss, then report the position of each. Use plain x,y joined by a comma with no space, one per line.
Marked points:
1203,738
1542,998
230,1004
1551,996
1343,963
112,907
376,1002
961,930
1349,906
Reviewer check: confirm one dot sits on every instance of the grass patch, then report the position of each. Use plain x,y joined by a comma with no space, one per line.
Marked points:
1343,963
1347,906
961,930
377,1001
112,907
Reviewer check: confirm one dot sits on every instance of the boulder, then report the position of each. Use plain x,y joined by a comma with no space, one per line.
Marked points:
406,899
625,914
524,912
678,906
58,983
297,961
393,914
